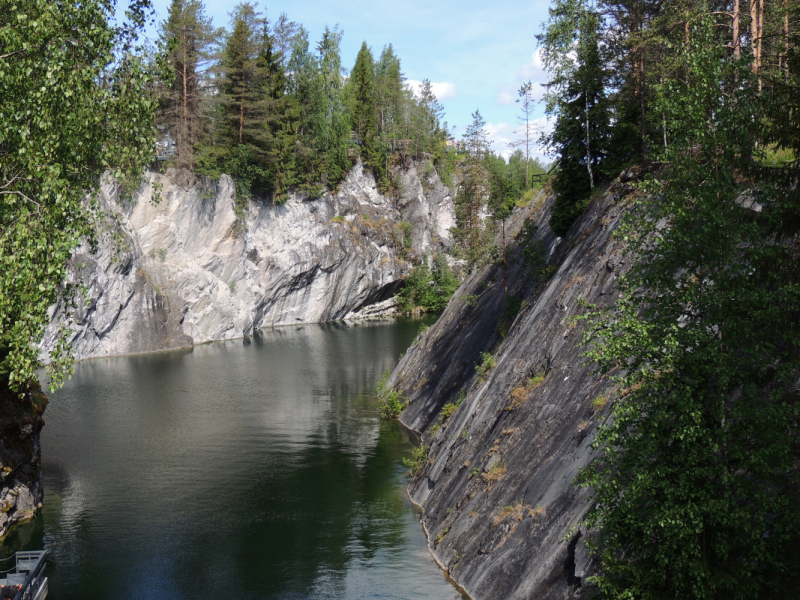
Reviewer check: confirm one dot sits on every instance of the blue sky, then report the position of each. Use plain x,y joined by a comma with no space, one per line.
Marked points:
477,54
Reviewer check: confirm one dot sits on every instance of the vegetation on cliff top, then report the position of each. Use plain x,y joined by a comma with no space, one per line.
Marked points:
256,102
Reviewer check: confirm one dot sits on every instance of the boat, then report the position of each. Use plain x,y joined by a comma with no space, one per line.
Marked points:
25,580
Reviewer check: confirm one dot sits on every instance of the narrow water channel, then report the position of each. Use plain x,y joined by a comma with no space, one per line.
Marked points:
249,469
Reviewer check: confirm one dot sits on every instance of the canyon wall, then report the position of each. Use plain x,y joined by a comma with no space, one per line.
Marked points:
499,506
186,269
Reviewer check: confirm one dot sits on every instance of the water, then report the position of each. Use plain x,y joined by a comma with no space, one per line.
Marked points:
248,469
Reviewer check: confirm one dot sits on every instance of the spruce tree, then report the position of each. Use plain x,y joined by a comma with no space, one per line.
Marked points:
333,133
362,90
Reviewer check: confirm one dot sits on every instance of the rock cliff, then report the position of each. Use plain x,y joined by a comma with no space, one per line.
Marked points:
21,489
499,508
186,269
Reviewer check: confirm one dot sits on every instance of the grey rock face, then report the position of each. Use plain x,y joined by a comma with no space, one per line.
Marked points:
186,270
498,502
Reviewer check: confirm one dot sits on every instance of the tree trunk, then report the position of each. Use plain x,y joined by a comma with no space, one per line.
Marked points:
643,107
241,122
505,273
184,127
588,147
737,50
754,35
784,66
760,38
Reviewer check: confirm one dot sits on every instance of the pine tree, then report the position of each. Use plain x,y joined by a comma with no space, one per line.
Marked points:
189,37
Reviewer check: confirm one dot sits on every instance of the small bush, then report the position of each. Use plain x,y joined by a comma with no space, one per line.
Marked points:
495,474
487,362
426,289
447,411
418,458
392,404
470,300
600,402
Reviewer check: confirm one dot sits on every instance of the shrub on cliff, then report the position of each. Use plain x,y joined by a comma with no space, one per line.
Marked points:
428,289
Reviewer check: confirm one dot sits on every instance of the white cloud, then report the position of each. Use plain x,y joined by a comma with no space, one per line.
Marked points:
533,70
505,97
500,134
442,90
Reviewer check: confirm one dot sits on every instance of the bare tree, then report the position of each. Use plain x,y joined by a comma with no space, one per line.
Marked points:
527,129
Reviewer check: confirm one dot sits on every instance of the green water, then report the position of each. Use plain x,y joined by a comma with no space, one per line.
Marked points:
248,469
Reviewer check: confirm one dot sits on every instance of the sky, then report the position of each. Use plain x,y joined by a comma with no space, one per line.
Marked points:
476,54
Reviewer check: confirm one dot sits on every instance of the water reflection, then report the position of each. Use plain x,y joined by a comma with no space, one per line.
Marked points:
248,469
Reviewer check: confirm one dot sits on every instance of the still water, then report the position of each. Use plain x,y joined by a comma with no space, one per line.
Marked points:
248,469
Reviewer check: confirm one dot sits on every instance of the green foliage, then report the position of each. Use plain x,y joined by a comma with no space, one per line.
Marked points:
447,411
470,299
487,363
189,37
402,235
77,101
471,235
696,485
510,312
426,289
392,404
418,458
256,121
534,253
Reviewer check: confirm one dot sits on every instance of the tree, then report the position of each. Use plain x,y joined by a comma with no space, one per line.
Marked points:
576,96
527,129
334,132
471,236
501,202
189,37
77,101
426,130
305,85
284,33
362,89
696,486
389,97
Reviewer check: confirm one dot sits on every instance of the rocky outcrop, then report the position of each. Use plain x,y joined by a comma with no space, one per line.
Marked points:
499,505
187,269
21,489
